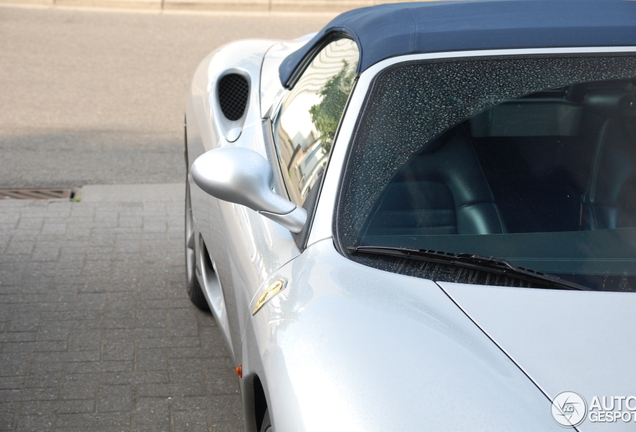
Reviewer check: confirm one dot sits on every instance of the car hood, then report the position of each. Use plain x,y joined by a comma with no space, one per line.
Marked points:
346,347
579,341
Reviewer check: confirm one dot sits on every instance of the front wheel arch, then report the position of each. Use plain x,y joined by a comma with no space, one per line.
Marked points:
261,413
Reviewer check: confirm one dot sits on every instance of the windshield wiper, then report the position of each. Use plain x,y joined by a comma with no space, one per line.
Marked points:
471,261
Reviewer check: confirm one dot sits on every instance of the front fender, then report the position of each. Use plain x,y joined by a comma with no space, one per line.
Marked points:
350,348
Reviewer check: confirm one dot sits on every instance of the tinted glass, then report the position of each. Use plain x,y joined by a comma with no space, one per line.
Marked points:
529,160
307,122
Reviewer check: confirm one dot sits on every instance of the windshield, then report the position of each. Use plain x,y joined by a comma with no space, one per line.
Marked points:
530,160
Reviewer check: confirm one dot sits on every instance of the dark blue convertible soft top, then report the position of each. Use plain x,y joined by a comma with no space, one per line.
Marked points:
406,28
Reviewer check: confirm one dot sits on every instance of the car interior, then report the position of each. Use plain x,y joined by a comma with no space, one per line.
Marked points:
557,160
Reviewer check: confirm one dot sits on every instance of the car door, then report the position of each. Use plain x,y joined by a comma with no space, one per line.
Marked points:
251,247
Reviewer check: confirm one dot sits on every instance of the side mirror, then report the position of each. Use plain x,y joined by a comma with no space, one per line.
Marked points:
242,176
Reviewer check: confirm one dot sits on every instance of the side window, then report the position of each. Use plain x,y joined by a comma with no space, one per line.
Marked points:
309,116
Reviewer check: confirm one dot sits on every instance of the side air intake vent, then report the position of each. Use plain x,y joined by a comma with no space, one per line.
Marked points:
233,90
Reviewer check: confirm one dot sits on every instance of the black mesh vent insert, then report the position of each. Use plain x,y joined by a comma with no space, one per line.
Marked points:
233,91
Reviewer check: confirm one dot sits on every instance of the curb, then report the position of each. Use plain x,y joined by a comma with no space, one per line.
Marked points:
210,5
133,193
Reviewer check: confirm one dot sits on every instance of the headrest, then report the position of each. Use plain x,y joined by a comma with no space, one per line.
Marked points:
612,102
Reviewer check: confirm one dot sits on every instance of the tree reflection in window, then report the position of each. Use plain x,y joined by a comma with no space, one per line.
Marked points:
309,116
326,115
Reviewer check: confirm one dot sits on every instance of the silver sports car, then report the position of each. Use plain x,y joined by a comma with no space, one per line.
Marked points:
423,217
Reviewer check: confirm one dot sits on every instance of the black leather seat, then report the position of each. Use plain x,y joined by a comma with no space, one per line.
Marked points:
440,191
610,199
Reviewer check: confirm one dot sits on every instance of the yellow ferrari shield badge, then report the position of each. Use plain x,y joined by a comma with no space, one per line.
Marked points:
267,295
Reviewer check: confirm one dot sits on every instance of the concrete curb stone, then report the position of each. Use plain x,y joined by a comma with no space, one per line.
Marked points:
164,192
212,5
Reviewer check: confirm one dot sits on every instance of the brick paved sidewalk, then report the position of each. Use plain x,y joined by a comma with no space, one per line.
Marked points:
96,331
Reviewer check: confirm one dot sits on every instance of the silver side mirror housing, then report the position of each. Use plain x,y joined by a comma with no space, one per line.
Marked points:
242,176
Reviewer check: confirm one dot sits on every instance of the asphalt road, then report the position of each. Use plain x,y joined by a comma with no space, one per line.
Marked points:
96,97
